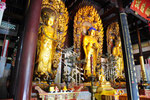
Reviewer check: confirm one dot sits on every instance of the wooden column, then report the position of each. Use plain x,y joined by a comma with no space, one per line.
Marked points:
129,66
23,91
143,73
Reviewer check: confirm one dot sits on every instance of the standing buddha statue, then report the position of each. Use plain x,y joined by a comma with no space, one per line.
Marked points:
46,42
117,53
90,46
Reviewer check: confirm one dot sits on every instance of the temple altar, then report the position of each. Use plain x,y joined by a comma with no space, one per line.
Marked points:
78,50
84,75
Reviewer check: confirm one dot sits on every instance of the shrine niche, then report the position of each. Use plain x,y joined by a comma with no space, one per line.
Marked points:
114,48
88,25
51,37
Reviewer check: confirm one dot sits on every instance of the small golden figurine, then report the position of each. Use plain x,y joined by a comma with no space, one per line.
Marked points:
102,80
65,88
105,86
90,46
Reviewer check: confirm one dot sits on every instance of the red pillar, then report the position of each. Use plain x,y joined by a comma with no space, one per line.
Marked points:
23,91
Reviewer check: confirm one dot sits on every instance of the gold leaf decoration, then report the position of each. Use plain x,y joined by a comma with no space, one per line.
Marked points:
60,30
111,33
85,18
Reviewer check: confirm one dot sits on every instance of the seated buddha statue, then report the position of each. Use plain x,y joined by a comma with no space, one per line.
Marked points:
104,85
117,53
46,42
90,46
102,78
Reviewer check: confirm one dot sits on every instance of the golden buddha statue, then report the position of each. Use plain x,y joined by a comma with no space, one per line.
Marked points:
90,46
104,85
102,79
117,53
46,42
51,37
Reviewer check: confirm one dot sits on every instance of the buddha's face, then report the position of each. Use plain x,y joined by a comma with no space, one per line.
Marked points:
92,33
48,17
50,21
118,43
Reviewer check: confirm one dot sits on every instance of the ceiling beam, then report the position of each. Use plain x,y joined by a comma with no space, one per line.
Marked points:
109,12
110,20
104,3
128,10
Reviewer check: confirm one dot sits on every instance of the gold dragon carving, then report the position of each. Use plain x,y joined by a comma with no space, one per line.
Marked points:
51,36
85,18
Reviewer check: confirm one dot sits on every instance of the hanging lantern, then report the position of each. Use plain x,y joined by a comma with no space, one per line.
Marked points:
2,8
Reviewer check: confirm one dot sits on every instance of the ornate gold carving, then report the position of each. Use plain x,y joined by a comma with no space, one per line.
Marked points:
85,18
111,33
51,37
114,47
